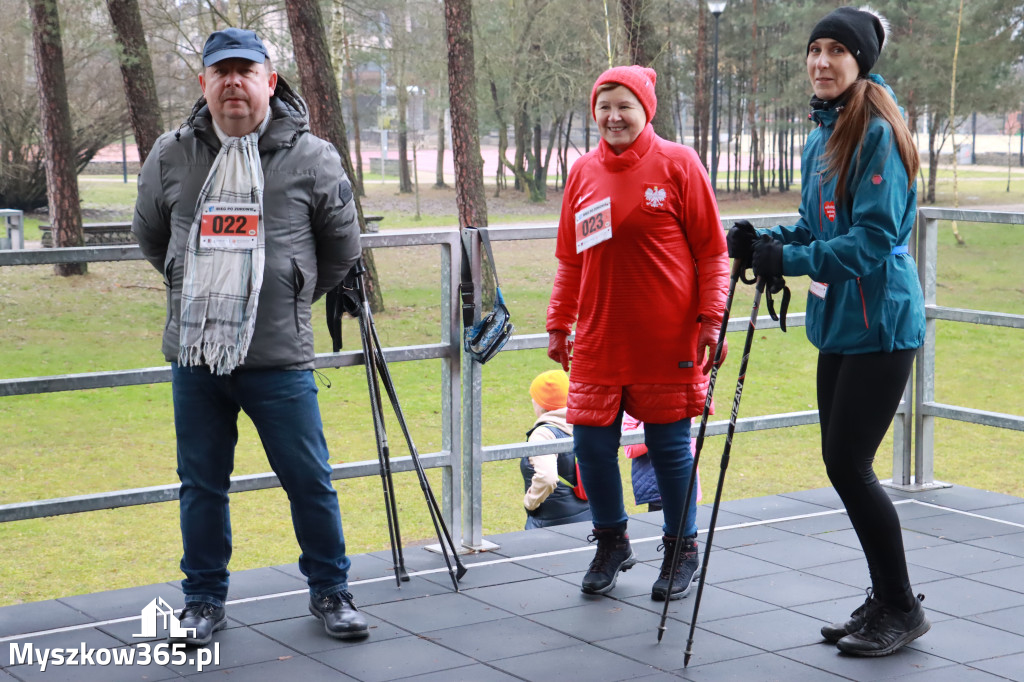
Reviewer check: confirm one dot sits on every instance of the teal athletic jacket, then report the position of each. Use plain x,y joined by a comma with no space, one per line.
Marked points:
865,296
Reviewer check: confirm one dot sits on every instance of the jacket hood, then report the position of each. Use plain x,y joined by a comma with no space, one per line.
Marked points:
289,117
554,417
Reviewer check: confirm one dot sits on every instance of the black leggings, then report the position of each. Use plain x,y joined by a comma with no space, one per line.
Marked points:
857,399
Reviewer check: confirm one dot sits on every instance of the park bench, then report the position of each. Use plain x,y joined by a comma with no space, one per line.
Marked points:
121,232
96,234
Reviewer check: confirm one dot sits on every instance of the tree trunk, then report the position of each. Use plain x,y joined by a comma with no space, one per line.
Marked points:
564,162
539,169
499,174
469,171
729,135
402,101
586,130
136,73
933,157
439,171
55,118
644,49
313,58
755,145
525,159
341,36
701,106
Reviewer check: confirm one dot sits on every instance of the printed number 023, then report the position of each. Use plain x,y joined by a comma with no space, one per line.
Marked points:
593,224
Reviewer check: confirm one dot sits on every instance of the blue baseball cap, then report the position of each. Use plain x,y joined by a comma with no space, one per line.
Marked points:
234,43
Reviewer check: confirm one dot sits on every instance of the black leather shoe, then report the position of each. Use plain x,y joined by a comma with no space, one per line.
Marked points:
886,630
340,616
205,619
836,631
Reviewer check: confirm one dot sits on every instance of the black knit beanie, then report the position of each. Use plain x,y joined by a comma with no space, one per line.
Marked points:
861,31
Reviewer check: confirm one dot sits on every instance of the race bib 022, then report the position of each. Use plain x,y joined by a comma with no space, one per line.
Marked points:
229,226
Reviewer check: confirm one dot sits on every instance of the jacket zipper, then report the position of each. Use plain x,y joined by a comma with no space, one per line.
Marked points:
298,282
821,203
863,304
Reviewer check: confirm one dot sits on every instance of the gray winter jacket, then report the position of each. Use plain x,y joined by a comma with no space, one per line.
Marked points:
312,234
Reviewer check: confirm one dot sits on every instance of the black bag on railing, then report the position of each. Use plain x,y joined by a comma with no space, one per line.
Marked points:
484,339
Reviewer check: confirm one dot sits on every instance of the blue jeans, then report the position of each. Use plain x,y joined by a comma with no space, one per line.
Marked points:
668,445
282,405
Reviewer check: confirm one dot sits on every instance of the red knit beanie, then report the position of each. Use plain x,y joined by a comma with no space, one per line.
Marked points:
637,79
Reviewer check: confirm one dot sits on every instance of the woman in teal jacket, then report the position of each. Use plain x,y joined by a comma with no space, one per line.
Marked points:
865,310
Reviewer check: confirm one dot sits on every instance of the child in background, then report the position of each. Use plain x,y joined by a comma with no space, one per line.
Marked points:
645,485
553,496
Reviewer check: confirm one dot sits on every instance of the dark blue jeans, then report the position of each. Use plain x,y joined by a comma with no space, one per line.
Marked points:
282,405
668,445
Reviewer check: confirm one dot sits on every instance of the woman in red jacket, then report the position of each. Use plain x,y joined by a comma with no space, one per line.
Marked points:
643,274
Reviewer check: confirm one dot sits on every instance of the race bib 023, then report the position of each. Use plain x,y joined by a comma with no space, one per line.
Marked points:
229,226
594,224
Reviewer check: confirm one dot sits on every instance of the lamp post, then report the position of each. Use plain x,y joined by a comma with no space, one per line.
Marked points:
716,8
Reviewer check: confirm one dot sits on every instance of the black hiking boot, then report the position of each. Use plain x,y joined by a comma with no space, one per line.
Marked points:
836,631
886,629
614,554
686,571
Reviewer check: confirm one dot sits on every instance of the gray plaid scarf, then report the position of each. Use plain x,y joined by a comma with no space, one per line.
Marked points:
221,289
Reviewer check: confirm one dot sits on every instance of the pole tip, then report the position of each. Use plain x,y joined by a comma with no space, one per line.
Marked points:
686,659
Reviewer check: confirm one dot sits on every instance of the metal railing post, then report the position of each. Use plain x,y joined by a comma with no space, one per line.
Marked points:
924,424
472,426
451,379
14,227
903,422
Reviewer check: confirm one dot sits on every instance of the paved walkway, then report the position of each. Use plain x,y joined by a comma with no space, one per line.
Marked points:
781,566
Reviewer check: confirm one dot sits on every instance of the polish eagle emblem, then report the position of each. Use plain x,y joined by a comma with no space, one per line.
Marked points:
654,196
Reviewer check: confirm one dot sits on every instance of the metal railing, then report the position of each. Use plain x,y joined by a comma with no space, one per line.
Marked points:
925,407
448,350
462,455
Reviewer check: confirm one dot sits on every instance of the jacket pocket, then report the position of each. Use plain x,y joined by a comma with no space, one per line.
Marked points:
298,282
169,285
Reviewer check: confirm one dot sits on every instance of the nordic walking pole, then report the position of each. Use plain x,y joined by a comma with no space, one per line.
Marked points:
440,529
736,274
383,451
759,289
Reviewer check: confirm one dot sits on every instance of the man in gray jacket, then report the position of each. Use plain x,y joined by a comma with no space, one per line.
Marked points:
250,218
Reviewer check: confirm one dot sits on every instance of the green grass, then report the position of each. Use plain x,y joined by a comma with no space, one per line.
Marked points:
63,444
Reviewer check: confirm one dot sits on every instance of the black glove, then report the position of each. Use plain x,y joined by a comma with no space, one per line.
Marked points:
767,258
740,240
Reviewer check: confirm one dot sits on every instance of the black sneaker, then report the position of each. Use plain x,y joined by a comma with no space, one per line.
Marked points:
886,629
340,616
686,571
204,619
614,554
836,631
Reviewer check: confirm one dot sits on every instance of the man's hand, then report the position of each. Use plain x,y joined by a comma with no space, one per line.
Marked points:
560,348
707,340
